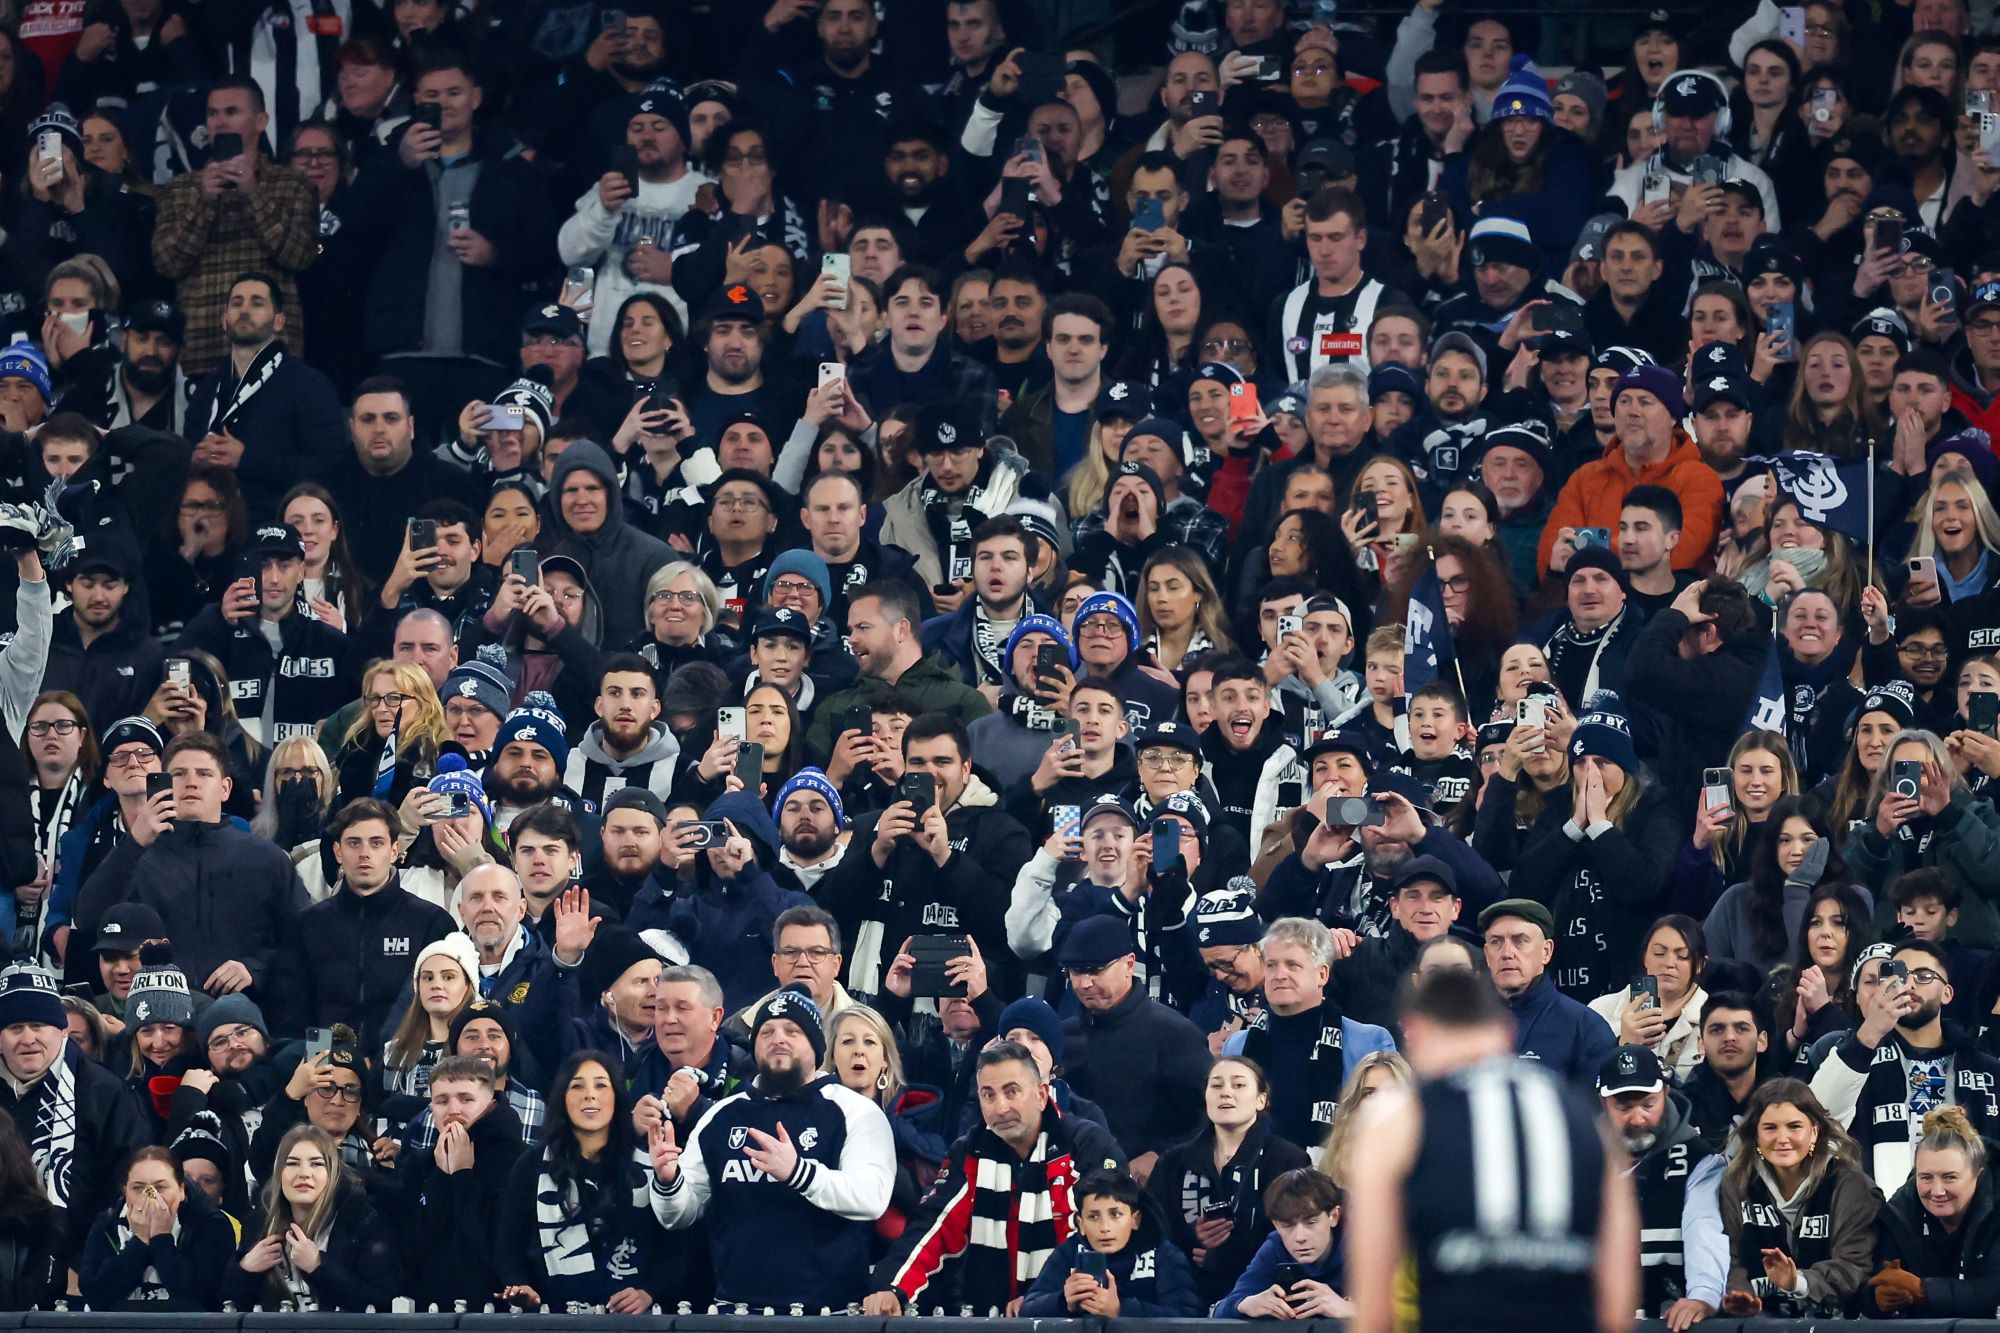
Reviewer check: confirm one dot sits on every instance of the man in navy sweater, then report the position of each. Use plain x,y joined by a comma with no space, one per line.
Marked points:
1519,936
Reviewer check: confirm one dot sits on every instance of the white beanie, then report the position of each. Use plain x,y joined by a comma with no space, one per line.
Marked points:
458,947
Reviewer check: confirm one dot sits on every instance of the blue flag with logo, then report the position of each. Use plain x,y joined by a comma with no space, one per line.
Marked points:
1767,709
1427,648
1827,491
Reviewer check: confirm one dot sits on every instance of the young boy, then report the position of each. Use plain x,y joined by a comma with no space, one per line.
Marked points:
1296,1273
1439,759
1119,1262
1927,906
1375,715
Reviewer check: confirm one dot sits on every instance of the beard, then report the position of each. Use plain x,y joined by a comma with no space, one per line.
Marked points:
806,843
525,788
1639,1141
783,1082
149,379
1919,1018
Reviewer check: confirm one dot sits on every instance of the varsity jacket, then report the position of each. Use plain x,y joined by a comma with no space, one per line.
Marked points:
825,1210
1870,1091
594,774
1683,1249
992,1218
1831,1239
309,676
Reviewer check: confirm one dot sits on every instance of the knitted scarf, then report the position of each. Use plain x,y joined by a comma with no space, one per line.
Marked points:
1573,650
989,646
150,1287
1326,1071
1029,711
53,1144
952,536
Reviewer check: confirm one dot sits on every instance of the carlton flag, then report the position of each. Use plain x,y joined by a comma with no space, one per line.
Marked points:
1427,646
1827,491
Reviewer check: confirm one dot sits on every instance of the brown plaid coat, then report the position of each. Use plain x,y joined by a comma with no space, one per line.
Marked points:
202,243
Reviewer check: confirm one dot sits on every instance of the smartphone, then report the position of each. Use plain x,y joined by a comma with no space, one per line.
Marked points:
1290,625
428,113
919,789
83,990
1016,197
1792,24
666,392
1093,1265
1356,812
1714,788
1204,102
1043,76
505,418
1214,1209
1888,233
1923,569
1150,215
626,163
1068,729
1029,147
1166,844
1894,969
457,805
157,783
1976,102
1657,189
1647,990
1432,209
579,283
1783,325
730,722
708,833
831,372
933,953
1243,404
49,144
1369,505
750,765
1944,289
841,267
423,534
1982,710
224,147
1589,537
179,674
1067,820
1289,1275
319,1041
1906,778
526,563
854,719
250,566
1707,169
1532,712
1823,101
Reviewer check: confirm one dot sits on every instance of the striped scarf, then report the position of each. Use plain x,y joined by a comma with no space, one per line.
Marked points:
1006,1215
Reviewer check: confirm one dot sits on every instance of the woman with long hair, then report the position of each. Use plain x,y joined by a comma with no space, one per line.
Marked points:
1759,920
1761,109
31,1273
320,1243
335,588
1530,784
399,702
1929,59
646,345
1387,534
1164,348
1961,532
580,1201
1479,604
1937,1239
1794,553
1082,488
838,448
1470,511
64,766
1837,802
1810,996
510,519
1308,544
861,1052
1666,1019
190,563
771,720
1545,175
1211,1188
1925,817
1720,313
1180,609
1717,855
1797,1207
1830,410
1372,1073
298,792
443,981
162,1247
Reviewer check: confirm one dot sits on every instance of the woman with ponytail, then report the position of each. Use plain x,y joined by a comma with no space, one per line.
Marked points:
1937,1240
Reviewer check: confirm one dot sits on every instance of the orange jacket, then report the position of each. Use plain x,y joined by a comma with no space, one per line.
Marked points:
1596,492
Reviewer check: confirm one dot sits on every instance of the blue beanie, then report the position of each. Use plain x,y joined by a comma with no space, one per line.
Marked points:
454,775
1041,624
24,361
811,779
538,720
806,565
1036,1016
1118,605
1604,732
1662,383
29,994
1525,93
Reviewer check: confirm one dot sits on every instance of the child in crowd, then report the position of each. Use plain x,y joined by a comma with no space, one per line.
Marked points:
1296,1272
1119,1262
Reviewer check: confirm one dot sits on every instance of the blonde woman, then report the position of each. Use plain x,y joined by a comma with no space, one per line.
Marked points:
861,1052
1371,1074
324,1246
1083,486
298,797
1905,831
1960,531
1180,612
444,980
397,700
1389,531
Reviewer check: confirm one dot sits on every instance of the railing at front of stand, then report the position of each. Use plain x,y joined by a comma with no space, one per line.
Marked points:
743,1319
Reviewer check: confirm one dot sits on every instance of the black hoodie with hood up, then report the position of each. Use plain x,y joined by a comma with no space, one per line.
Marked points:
618,558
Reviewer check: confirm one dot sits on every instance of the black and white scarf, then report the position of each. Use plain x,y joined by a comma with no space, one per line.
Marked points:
53,1144
568,1238
952,535
1029,711
222,413
1198,642
1326,1067
989,649
54,812
150,1287
1569,648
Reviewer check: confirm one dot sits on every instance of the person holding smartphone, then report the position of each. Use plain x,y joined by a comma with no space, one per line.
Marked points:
1297,1273
1943,826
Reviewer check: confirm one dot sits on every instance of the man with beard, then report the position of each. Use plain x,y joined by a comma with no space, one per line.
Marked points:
264,413
1918,127
918,168
1725,407
451,1235
1683,1248
811,820
446,578
792,1155
843,98
732,335
1253,233
107,658
1445,438
531,751
384,483
1051,425
634,824
885,638
1017,304
1692,102
1901,1062
624,225
628,746
1734,1036
973,638
148,387
834,510
961,486
915,364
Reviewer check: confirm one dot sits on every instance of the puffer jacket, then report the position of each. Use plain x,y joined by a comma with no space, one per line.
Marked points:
1593,497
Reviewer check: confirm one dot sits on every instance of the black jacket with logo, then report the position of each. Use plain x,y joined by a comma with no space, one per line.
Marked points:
355,954
313,676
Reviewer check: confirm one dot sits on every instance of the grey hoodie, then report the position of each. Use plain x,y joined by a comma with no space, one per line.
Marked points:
593,774
619,558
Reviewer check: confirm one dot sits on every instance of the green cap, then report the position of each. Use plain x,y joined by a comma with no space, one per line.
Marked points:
1525,908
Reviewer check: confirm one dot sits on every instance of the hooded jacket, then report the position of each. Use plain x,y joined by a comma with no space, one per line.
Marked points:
880,906
1595,494
1980,404
452,1231
352,954
617,558
1155,1280
726,924
593,773
903,522
931,683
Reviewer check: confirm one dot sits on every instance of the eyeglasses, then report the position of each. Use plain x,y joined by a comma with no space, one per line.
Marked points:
63,727
669,596
1166,760
1102,627
239,1035
459,710
1456,583
201,506
566,597
1227,346
1819,30
740,503
131,759
388,700
1930,652
550,340
314,154
1982,326
818,953
297,774
1924,976
793,585
1224,969
755,157
349,1095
